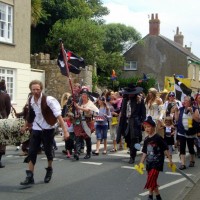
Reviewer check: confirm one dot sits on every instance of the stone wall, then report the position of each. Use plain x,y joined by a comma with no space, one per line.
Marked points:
55,83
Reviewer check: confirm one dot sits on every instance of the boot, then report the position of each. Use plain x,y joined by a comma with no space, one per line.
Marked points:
29,178
1,165
87,156
131,161
48,175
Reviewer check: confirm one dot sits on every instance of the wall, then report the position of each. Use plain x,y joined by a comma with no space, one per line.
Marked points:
55,83
19,51
156,57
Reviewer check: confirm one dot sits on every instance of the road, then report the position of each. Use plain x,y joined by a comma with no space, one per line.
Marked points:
107,177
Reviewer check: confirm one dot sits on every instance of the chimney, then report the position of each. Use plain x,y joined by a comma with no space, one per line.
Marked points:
154,25
178,37
188,48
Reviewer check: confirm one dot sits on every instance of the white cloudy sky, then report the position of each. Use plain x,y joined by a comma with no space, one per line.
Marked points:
172,13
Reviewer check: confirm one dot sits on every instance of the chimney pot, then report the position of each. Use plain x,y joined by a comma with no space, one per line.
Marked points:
154,25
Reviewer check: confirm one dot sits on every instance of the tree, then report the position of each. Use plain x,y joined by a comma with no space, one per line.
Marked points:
37,12
119,37
61,10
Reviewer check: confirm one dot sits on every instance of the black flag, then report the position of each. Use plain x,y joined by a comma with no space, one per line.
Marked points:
75,63
181,89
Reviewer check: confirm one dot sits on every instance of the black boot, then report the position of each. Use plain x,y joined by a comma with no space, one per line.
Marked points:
76,156
49,173
87,156
1,165
131,161
29,178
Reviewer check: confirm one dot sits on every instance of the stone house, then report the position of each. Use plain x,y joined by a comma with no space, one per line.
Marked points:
159,56
15,68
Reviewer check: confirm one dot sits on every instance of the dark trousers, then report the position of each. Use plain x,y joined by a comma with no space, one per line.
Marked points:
69,144
133,150
37,137
190,144
78,144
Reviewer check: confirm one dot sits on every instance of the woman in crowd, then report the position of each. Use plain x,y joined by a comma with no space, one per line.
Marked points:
101,125
153,104
186,133
84,123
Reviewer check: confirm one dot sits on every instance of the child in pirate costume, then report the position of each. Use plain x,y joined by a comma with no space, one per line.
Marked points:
153,150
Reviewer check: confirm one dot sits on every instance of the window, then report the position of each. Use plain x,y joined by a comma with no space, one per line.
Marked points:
130,65
6,23
199,74
193,72
8,76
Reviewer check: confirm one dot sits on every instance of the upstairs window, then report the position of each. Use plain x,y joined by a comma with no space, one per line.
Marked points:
130,65
8,76
6,23
194,72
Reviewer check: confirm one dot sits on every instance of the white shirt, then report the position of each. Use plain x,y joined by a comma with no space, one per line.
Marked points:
54,106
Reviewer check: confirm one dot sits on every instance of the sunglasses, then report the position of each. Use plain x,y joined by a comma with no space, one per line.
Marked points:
171,96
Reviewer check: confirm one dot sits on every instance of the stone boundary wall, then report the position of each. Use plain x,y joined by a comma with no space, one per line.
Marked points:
55,83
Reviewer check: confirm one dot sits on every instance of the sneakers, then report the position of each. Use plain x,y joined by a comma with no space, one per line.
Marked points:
87,156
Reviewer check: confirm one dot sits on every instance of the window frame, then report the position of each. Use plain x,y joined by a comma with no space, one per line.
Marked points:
6,25
10,80
194,72
128,66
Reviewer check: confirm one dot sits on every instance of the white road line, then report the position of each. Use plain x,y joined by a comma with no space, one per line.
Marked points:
165,186
92,163
127,167
177,174
55,159
119,155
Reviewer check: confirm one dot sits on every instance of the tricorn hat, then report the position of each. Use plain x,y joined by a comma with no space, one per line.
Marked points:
131,89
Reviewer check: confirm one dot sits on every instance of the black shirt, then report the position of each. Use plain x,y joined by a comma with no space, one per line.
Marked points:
154,147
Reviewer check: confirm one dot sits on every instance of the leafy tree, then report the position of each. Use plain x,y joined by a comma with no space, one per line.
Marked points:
61,10
119,37
84,37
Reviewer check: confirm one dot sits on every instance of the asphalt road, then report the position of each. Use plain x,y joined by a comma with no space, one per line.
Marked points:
107,177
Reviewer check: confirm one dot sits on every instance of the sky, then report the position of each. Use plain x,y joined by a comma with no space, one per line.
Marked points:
172,14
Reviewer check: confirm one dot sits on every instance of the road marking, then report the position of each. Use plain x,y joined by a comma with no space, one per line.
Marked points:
119,155
127,167
177,174
92,163
55,159
165,186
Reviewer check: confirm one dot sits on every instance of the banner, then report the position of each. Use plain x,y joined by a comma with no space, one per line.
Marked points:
170,83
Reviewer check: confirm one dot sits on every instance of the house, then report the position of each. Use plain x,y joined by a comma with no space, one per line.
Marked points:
159,56
15,68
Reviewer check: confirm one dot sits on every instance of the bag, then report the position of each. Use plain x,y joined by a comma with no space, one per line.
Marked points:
100,118
114,121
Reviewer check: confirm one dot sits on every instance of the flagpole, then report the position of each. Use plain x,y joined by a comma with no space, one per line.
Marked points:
67,66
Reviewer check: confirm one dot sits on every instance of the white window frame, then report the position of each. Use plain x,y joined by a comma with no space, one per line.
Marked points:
130,66
199,74
6,23
9,76
193,72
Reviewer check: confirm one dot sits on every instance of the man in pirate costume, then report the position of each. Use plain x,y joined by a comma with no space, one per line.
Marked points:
133,113
44,112
5,107
154,151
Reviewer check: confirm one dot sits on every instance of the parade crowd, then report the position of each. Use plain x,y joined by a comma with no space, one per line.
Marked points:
163,124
